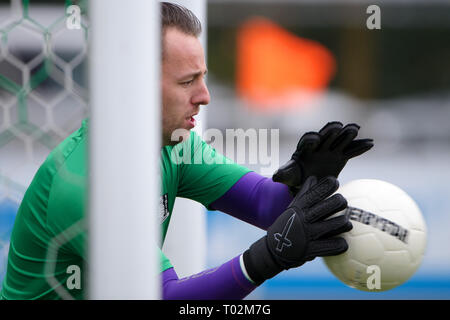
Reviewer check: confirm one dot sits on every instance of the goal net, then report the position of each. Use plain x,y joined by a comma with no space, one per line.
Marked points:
44,96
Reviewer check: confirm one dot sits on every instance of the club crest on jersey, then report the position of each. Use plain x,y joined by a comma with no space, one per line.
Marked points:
163,207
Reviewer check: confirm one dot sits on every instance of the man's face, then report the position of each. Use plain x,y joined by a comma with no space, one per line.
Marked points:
183,83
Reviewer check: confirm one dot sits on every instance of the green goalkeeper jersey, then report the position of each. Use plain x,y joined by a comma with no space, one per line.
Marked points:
49,238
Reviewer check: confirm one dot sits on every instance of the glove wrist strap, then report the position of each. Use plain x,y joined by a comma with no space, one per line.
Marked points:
259,263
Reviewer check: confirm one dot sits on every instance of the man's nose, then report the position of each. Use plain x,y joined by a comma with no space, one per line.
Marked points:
202,96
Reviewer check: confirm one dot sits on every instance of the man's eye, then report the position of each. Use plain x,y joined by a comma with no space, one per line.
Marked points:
187,83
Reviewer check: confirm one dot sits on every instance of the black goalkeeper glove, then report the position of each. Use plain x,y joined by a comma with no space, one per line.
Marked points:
322,154
302,232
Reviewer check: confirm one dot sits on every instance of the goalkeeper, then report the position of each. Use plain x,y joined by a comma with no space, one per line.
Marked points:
293,206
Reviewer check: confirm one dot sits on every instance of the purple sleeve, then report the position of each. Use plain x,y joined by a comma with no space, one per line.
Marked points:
255,199
226,282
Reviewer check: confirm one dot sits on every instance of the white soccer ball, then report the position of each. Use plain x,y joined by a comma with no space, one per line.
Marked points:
388,239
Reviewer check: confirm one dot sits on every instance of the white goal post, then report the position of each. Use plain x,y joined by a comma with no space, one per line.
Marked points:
125,136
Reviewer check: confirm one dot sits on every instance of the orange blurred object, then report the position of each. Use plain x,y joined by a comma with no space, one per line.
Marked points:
277,69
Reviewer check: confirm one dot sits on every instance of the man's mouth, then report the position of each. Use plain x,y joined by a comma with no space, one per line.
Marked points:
191,121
